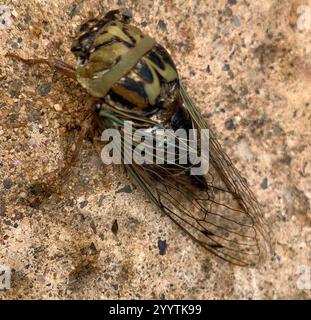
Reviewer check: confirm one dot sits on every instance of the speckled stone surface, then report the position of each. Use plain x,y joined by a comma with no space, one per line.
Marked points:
248,66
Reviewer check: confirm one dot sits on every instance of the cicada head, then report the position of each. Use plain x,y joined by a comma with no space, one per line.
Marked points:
87,31
116,59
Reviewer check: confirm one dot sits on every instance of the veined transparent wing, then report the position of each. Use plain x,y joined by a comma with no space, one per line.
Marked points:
217,210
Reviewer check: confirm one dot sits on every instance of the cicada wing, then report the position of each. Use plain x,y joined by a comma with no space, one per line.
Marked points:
217,210
211,215
226,170
228,176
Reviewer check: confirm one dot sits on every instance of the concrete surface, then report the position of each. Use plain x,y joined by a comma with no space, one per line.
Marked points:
248,66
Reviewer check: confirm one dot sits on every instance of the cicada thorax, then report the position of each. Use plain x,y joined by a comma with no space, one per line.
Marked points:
125,68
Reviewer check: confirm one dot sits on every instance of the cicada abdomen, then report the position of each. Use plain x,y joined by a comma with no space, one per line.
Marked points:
134,78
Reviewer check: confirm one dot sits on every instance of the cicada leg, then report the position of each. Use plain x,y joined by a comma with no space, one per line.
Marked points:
60,66
85,127
52,182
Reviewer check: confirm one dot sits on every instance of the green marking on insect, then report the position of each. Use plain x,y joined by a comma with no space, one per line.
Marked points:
99,87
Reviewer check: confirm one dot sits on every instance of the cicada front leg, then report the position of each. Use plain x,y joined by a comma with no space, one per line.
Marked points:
60,66
52,182
85,127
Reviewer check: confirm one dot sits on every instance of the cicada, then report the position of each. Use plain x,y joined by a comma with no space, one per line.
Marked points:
132,77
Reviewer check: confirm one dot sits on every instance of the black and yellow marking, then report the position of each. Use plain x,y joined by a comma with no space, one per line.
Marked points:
117,57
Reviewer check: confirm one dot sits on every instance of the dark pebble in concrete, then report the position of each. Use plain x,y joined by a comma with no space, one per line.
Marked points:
226,67
15,88
72,10
115,227
101,200
14,45
83,204
126,189
2,208
264,184
7,183
34,116
44,89
93,247
162,247
232,2
227,12
162,25
144,24
229,124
